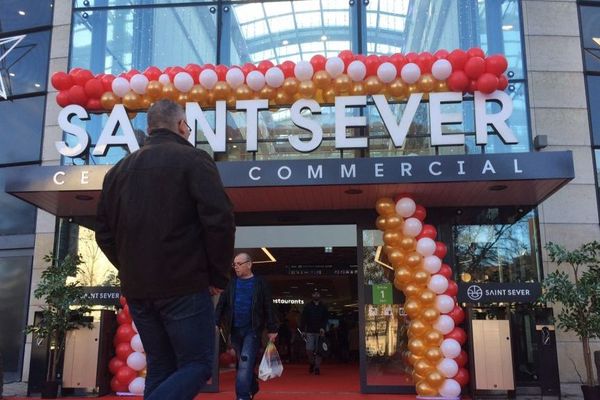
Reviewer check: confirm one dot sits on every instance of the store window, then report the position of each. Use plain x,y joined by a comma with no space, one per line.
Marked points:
16,15
16,216
21,129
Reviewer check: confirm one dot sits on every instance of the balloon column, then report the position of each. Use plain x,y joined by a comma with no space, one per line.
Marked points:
396,76
128,367
434,338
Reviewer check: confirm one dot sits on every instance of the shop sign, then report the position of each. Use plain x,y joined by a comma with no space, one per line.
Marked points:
396,125
516,292
102,295
382,293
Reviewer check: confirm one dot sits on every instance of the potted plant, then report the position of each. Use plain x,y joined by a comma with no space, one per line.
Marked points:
579,297
64,310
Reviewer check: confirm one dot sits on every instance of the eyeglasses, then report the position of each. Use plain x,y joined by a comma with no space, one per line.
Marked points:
186,124
239,264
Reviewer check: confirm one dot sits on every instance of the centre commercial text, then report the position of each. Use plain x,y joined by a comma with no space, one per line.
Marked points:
216,138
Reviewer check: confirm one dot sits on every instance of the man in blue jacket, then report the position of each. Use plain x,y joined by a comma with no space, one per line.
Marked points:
246,308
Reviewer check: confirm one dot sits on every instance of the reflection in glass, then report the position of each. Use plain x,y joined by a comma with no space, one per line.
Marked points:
497,252
24,14
16,216
24,68
21,129
95,269
593,89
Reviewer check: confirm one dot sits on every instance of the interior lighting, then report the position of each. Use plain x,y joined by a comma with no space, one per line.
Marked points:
37,85
21,12
323,37
11,74
285,42
507,27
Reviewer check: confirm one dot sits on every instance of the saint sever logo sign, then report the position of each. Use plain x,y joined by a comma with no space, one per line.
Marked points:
528,292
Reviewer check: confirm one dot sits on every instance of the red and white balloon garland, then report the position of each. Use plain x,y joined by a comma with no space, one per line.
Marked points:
129,365
395,76
434,338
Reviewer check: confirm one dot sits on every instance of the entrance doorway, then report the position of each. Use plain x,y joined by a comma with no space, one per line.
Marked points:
296,261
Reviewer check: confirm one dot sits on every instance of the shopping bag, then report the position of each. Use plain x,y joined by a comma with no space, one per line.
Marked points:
270,366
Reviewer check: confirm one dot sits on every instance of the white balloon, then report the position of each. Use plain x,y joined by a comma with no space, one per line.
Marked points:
136,344
448,367
120,86
164,79
444,304
387,72
183,82
432,264
441,69
406,207
450,348
235,77
410,73
137,386
138,83
255,80
136,361
425,246
134,327
438,284
444,324
208,78
450,388
303,70
357,70
334,66
412,227
274,77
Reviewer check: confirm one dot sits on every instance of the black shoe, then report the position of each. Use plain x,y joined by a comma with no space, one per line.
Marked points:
311,368
317,371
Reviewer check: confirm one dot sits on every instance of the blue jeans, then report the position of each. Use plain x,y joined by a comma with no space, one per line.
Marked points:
178,334
245,341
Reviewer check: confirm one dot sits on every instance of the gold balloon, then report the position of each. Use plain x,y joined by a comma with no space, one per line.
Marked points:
427,296
322,80
358,89
131,115
408,243
108,100
268,92
169,92
373,85
146,102
417,377
441,86
414,88
329,96
381,223
434,355
282,98
398,88
394,221
391,237
426,83
411,307
433,338
222,90
411,290
154,89
231,102
290,86
417,328
342,84
307,89
197,94
389,249
397,258
182,99
143,372
243,92
421,277
425,389
131,101
319,96
210,100
435,379
401,277
385,206
422,367
430,314
414,260
417,346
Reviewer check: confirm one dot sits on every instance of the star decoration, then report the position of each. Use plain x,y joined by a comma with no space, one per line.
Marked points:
15,40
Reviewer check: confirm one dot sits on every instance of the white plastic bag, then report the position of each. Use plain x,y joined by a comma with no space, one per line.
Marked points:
270,366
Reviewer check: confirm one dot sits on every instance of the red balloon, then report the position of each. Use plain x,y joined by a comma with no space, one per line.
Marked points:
457,314
123,350
221,71
458,82
428,231
318,62
194,71
264,66
126,309
440,250
360,57
124,333
420,213
462,359
107,82
247,68
441,54
77,95
123,301
210,66
93,88
125,375
446,271
82,76
458,58
62,98
487,83
61,81
174,71
502,82
131,73
457,334
123,318
496,64
93,104
425,61
118,386
347,57
472,87
288,69
398,60
152,73
452,288
462,377
73,71
475,67
115,364
412,57
476,52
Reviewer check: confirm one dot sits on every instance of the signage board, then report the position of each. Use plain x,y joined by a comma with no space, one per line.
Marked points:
514,292
102,295
382,293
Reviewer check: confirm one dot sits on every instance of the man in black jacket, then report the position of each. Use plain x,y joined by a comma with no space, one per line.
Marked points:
314,322
166,223
246,308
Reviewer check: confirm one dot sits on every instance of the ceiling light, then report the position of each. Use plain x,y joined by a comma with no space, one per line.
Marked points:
323,38
11,73
597,40
234,146
285,42
497,188
507,27
37,85
21,12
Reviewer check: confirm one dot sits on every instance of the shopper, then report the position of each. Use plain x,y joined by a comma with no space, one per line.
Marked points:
166,224
314,322
246,309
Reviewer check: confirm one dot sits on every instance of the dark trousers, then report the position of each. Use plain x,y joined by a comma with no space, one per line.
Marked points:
246,342
179,339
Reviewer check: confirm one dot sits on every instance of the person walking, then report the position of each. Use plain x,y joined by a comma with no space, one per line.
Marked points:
165,222
246,309
314,322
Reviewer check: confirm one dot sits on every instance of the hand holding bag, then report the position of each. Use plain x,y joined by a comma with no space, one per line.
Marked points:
270,366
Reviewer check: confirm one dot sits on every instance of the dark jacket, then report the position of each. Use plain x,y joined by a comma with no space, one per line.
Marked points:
314,317
262,307
165,221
